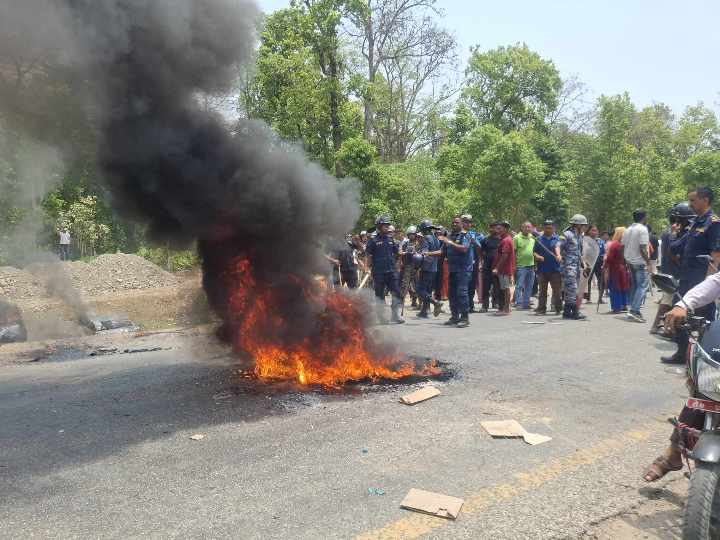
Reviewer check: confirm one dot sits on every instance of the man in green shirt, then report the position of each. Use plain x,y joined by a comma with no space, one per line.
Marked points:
524,246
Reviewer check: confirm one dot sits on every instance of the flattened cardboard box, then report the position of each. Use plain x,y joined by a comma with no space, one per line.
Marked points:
420,395
434,504
512,428
503,428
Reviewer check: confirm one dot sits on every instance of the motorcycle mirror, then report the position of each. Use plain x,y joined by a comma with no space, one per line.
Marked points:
665,282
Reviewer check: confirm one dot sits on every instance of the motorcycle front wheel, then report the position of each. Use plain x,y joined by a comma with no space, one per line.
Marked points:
702,511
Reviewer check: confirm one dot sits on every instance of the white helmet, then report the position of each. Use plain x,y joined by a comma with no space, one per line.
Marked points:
412,229
578,219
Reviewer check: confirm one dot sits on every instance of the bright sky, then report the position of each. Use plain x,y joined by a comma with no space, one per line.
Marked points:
657,50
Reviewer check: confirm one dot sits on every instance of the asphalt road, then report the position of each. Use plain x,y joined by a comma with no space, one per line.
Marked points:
99,447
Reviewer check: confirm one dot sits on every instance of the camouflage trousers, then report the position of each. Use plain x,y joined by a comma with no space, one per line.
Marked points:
408,282
570,279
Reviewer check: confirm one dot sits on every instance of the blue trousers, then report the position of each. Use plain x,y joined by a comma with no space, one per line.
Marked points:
618,299
472,285
638,287
525,282
425,285
389,280
458,293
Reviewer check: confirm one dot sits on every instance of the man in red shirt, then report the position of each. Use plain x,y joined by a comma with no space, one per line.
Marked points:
504,266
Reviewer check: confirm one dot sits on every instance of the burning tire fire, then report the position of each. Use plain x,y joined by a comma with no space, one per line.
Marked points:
329,347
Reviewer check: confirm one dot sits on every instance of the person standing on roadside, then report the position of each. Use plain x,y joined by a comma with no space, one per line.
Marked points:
524,245
571,251
654,251
476,239
636,241
597,271
457,249
490,287
591,254
431,251
64,240
679,217
547,255
504,267
409,247
347,264
615,273
383,251
701,240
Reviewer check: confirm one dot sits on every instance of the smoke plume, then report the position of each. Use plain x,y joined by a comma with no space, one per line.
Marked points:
177,168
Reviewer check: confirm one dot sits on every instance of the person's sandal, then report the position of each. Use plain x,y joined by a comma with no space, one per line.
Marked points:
659,468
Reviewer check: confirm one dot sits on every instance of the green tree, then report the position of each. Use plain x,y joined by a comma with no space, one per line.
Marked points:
698,131
702,169
511,87
500,171
625,164
300,86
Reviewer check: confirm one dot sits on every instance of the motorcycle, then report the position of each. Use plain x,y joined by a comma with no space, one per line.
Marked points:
702,446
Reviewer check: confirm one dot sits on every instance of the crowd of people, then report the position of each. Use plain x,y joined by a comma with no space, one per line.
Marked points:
501,270
504,269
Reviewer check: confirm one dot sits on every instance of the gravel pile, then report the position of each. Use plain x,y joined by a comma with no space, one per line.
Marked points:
19,284
118,272
106,274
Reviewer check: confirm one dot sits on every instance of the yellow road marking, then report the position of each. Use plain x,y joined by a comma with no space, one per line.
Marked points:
417,525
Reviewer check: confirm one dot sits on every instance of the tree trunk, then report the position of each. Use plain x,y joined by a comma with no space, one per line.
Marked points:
334,110
372,70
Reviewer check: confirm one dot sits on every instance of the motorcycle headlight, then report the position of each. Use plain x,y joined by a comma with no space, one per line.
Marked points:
707,374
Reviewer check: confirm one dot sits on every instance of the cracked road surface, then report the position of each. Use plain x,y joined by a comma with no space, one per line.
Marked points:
99,447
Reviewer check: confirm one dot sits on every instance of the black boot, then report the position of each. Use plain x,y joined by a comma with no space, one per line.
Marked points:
568,311
452,321
577,315
423,314
677,358
464,322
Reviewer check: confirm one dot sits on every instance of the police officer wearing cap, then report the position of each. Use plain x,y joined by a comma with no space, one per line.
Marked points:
431,251
382,251
476,239
702,239
457,249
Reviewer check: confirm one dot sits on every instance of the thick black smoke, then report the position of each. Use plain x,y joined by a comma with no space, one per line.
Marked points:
176,167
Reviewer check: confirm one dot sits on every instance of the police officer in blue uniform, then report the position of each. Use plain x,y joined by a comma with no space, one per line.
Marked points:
476,248
431,251
457,249
383,251
702,238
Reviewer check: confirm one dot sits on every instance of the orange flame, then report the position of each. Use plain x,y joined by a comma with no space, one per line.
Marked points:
340,350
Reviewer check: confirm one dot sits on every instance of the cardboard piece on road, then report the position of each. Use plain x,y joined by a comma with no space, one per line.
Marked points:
434,504
197,437
512,428
424,393
533,322
503,428
535,438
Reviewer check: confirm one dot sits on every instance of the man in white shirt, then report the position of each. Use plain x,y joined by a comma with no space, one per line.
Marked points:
636,240
64,244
